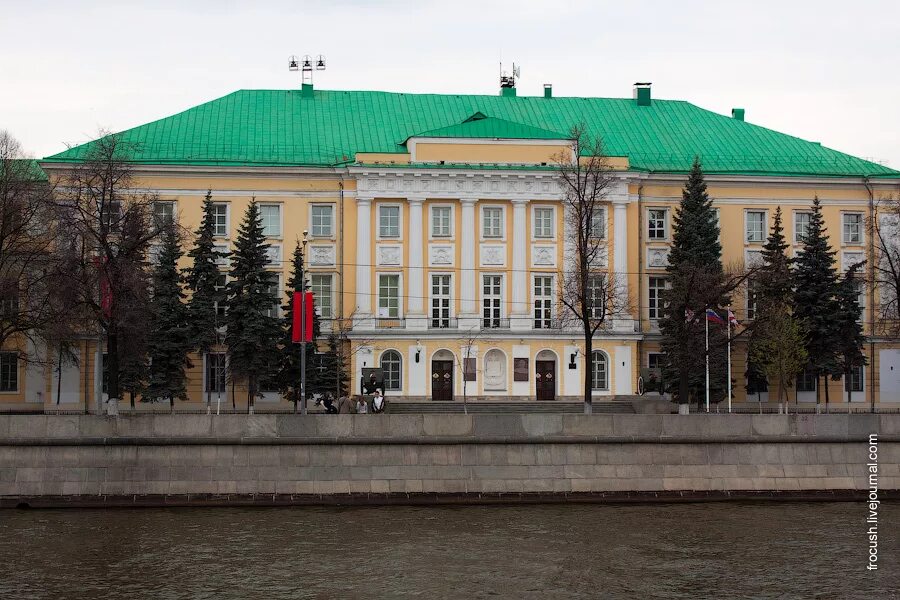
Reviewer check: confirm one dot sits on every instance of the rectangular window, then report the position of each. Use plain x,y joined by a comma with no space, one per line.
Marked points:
215,372
806,381
163,213
543,302
220,219
852,228
801,224
320,285
854,383
440,301
9,372
492,222
322,217
752,299
440,221
272,290
270,216
655,360
112,215
491,300
598,224
273,256
656,224
389,296
595,293
9,298
221,302
756,226
389,221
543,222
655,289
223,252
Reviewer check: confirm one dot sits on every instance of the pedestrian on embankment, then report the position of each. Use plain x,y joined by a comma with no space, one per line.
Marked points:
345,407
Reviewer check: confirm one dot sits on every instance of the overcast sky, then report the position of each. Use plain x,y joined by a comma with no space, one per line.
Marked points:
821,70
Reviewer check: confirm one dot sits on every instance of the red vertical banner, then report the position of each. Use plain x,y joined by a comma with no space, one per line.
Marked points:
308,329
303,315
295,326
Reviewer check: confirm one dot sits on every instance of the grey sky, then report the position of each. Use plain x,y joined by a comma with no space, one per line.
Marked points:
823,70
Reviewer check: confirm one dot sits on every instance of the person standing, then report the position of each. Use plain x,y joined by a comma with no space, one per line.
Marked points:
362,407
345,406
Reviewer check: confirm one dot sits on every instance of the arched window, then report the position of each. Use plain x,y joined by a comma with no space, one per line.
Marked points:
391,364
599,371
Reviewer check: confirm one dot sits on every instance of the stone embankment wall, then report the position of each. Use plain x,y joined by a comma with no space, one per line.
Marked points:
290,459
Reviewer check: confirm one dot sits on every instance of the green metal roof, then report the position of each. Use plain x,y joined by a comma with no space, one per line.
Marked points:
283,128
479,126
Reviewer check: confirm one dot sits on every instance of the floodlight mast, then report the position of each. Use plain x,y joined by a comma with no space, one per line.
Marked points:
306,66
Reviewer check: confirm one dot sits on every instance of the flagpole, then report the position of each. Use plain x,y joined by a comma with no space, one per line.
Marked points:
706,324
728,322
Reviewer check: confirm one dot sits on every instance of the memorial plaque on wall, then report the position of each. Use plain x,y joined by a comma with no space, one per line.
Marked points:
468,369
520,369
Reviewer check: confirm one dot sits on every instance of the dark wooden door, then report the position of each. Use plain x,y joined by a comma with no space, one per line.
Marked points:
442,380
545,379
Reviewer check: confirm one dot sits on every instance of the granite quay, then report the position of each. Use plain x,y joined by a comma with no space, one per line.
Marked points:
87,460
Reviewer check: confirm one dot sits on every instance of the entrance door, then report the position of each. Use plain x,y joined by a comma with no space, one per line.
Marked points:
545,379
890,375
442,380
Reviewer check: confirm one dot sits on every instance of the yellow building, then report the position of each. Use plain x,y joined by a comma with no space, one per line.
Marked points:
436,231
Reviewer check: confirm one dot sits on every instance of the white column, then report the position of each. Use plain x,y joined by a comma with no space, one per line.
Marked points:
623,320
363,317
520,313
468,313
415,318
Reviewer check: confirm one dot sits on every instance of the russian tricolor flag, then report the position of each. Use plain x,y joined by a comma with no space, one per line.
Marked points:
713,317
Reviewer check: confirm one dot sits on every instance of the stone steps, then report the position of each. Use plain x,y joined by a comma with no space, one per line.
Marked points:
397,408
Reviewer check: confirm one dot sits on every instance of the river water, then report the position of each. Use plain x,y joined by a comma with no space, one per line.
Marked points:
716,550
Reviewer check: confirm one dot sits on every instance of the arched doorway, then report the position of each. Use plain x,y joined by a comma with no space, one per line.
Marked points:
545,375
442,376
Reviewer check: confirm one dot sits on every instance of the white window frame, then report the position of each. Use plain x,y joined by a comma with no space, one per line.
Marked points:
399,355
845,241
206,381
227,233
224,304
399,277
660,360
661,304
280,208
331,211
665,226
432,297
451,226
279,295
172,203
796,236
608,364
858,395
502,209
485,297
604,230
534,213
602,289
330,278
378,212
547,303
765,225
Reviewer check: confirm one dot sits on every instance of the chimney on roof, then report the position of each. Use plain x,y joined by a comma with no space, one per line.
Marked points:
642,93
737,114
548,90
306,90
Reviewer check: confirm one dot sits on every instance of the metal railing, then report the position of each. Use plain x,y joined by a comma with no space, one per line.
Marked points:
387,323
494,323
443,323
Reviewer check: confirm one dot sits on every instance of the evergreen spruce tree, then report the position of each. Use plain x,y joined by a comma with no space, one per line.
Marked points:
773,282
289,372
201,278
696,278
252,334
170,331
849,327
333,369
815,302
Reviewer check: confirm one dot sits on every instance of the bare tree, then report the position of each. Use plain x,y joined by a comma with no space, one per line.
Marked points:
588,289
109,227
885,232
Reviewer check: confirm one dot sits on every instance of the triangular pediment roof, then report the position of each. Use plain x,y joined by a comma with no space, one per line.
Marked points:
481,126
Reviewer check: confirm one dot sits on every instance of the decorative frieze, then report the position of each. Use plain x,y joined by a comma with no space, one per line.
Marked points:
543,255
390,255
753,258
493,255
488,185
657,258
850,258
440,255
321,255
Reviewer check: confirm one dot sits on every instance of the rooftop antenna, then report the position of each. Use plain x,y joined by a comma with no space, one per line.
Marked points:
509,81
306,66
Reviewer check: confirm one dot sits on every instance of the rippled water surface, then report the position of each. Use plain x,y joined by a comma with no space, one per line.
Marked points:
724,550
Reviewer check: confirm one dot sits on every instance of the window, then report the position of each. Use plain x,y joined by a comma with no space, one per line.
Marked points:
801,224
391,365
854,383
852,228
9,298
221,303
755,226
440,221
223,252
322,217
389,221
112,215
440,301
215,372
599,371
543,222
491,299
757,384
656,224
272,291
9,372
270,216
598,224
389,296
752,299
806,381
273,256
655,289
320,285
543,302
596,296
163,213
655,360
492,222
220,219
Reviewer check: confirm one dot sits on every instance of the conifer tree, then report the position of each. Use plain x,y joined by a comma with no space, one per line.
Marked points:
773,281
170,331
332,378
697,283
201,279
849,327
252,334
815,302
